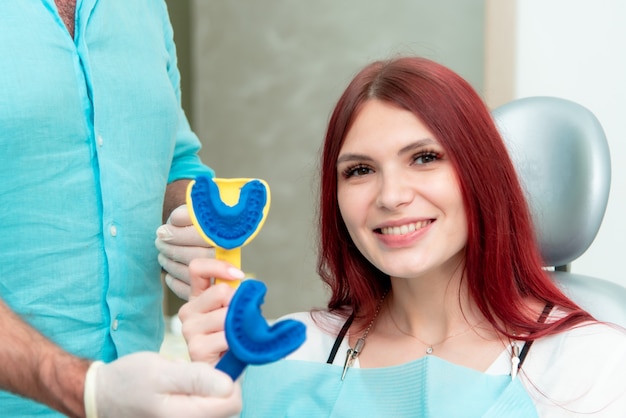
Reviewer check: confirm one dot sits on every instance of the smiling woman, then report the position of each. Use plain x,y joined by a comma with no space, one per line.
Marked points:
436,280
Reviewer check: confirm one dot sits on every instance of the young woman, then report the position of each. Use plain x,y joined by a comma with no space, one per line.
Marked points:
439,303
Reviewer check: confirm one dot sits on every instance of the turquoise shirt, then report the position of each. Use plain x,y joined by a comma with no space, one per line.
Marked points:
91,131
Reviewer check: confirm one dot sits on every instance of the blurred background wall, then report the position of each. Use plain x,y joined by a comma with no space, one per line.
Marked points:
261,77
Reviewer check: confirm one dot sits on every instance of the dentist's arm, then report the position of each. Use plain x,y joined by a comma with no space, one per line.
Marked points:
175,195
34,367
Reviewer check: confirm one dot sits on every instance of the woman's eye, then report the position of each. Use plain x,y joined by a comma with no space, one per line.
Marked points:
426,157
356,171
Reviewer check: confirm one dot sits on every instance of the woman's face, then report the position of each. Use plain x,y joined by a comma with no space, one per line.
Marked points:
398,194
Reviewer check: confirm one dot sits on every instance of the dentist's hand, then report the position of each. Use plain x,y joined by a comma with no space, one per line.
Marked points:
178,243
147,385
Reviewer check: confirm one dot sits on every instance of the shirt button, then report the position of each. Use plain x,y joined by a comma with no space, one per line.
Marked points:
115,324
113,231
100,140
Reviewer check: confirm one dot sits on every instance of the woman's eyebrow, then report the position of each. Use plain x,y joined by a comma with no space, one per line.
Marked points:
417,144
353,157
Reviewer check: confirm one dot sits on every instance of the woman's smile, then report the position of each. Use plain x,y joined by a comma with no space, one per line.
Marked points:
403,229
403,235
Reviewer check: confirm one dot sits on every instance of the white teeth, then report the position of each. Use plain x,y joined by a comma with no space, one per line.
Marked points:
404,229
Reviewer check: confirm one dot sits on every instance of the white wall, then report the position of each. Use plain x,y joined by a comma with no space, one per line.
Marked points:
576,49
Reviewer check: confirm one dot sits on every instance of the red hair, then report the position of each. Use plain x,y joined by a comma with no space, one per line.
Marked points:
503,264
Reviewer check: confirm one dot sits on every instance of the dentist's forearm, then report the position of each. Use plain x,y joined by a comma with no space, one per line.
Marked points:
175,195
33,367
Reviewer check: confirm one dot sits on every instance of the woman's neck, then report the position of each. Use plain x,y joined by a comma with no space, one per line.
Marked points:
431,309
417,320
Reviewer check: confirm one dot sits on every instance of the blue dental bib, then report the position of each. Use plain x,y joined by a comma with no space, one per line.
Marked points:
427,387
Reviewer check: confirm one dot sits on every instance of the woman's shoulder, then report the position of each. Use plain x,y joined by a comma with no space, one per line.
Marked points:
581,369
602,337
601,332
579,340
593,342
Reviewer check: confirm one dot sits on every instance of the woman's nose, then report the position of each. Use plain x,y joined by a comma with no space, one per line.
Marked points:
394,192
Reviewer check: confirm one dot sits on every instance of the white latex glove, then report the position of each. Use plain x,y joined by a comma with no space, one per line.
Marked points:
178,243
147,385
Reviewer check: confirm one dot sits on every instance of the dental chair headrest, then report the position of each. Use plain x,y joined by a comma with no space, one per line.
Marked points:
562,158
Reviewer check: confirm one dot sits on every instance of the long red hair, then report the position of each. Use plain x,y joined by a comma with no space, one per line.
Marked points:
503,264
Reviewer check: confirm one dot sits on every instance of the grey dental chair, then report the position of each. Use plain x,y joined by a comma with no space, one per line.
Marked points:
562,157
